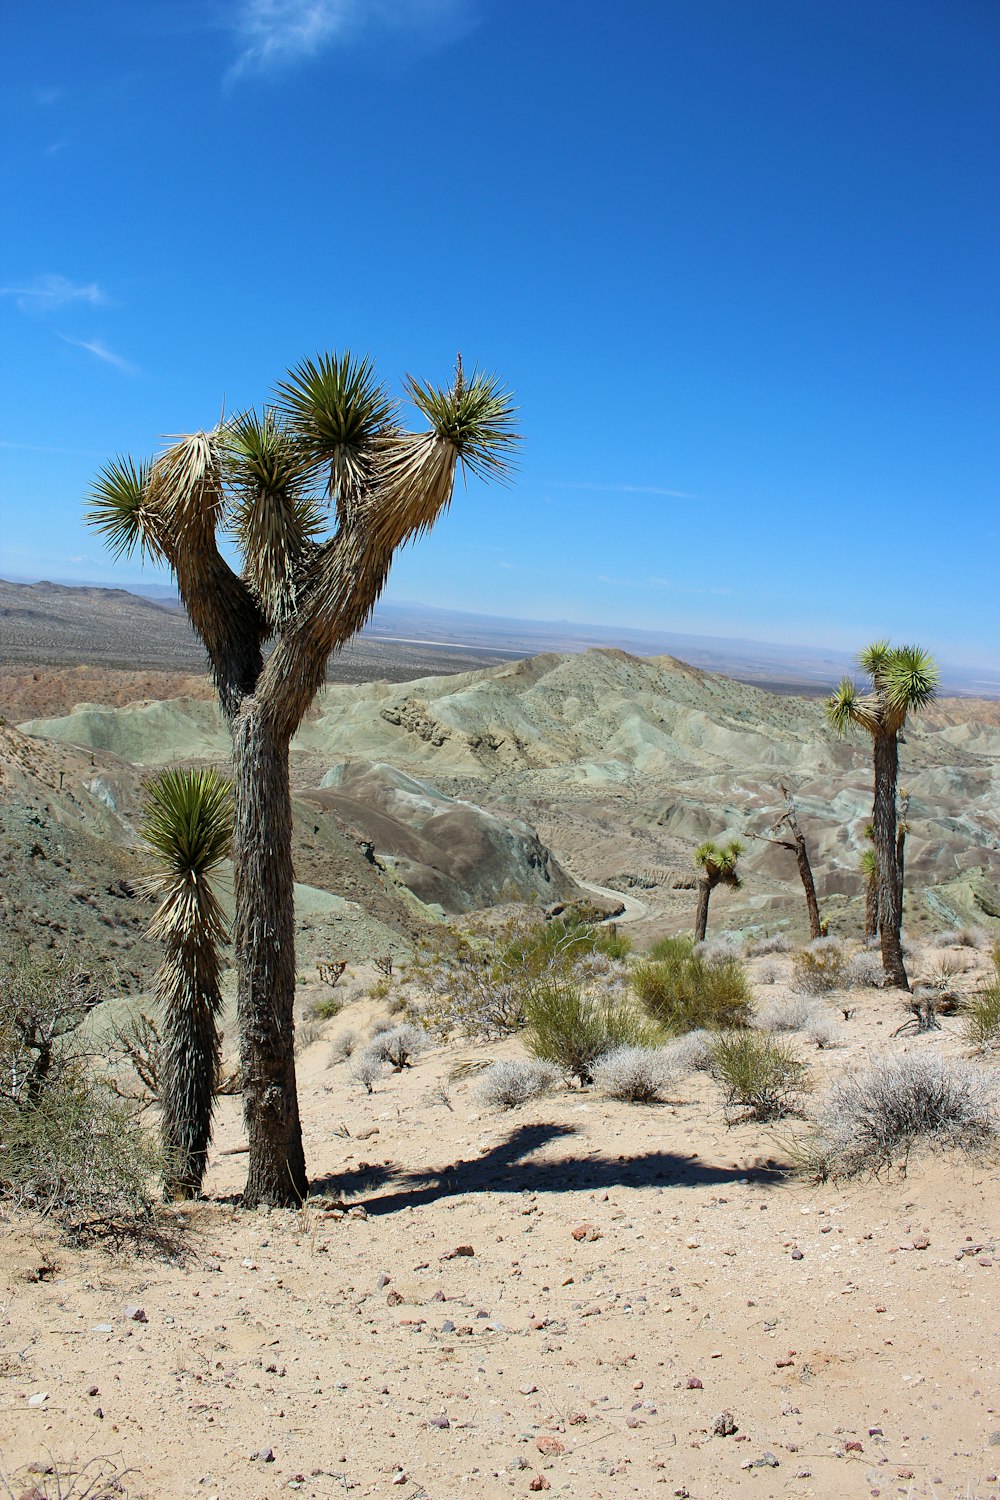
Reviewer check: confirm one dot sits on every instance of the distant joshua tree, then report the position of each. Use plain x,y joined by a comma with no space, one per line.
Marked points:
903,680
718,867
189,826
331,443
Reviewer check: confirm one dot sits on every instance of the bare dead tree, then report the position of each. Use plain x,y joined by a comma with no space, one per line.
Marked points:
797,846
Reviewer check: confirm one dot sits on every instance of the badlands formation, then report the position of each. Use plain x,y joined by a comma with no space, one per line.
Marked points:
582,1296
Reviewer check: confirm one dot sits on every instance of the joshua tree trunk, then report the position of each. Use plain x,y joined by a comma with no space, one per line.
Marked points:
871,907
265,951
900,863
701,917
884,820
190,1068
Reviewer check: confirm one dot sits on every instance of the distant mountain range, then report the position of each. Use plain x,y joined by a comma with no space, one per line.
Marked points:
66,624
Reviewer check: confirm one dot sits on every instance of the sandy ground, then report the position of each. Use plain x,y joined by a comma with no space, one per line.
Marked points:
628,1274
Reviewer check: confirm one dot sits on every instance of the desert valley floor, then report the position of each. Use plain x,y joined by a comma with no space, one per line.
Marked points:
580,1296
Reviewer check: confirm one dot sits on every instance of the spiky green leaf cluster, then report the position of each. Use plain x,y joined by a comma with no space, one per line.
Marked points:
903,679
188,825
339,412
475,417
719,861
119,509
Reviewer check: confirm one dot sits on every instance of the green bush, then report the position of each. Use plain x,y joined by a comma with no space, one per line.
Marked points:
681,991
567,1027
70,1145
982,1011
820,968
758,1073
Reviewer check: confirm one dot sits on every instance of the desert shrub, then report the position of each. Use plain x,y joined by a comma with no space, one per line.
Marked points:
762,947
767,974
723,948
567,1027
343,1046
640,1075
959,937
307,1031
505,1085
874,1118
818,969
759,1074
942,972
366,1068
982,1011
681,992
481,987
70,1145
690,1053
381,1026
863,970
326,1008
800,1013
399,1045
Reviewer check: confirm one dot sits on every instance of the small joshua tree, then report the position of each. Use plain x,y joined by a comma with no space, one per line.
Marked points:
188,825
717,863
903,679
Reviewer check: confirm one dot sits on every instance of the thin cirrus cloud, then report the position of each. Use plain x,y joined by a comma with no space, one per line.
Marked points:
48,293
102,352
658,583
628,489
273,35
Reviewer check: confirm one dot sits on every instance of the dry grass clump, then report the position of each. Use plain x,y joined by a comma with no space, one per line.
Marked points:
726,947
572,1029
505,1085
802,1013
96,1479
864,970
639,1075
820,968
343,1046
760,1075
874,1118
398,1045
763,947
367,1069
690,1053
959,937
681,991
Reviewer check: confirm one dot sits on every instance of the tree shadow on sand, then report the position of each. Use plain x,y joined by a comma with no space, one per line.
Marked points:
508,1168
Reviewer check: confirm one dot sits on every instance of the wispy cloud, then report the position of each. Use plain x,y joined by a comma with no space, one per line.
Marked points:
665,584
275,34
47,293
102,352
628,489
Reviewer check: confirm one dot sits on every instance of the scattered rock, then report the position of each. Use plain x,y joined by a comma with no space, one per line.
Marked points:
454,1254
724,1424
549,1445
133,1314
586,1231
694,1384
263,1456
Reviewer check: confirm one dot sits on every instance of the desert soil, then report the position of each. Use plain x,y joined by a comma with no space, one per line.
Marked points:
564,1297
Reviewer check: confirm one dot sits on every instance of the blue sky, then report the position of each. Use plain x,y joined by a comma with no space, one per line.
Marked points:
738,260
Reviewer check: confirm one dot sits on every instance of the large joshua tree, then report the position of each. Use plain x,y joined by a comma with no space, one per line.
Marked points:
717,863
318,491
902,680
188,824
